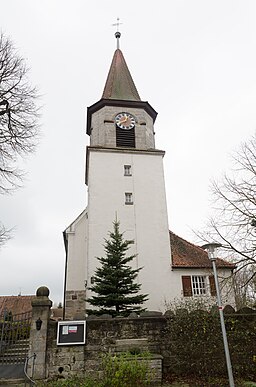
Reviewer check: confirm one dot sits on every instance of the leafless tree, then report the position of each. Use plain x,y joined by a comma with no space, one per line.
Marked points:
18,115
18,118
4,234
234,222
244,291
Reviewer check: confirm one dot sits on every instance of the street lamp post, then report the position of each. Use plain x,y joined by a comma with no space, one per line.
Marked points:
211,250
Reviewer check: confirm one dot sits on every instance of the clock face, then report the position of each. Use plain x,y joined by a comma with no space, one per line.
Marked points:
125,121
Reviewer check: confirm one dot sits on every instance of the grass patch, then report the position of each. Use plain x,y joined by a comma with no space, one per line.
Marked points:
194,381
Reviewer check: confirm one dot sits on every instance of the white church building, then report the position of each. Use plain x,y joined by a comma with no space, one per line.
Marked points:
125,180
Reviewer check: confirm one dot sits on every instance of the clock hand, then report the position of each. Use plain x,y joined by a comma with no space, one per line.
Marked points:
124,120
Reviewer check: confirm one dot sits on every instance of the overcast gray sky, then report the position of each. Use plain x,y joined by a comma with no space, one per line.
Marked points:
193,60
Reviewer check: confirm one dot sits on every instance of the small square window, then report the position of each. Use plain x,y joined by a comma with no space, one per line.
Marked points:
198,285
127,170
128,198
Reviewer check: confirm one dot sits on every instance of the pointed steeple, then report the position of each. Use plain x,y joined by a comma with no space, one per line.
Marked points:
119,84
120,90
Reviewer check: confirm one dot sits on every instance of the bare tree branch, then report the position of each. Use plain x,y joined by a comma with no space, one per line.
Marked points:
5,235
19,114
234,222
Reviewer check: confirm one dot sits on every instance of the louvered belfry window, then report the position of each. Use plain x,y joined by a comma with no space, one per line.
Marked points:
125,138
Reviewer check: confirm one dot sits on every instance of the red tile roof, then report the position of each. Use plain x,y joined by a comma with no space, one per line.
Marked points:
188,255
15,304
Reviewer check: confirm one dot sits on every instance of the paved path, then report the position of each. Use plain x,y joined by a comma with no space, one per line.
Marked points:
11,371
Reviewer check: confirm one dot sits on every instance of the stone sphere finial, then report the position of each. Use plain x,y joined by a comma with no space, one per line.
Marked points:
43,291
117,35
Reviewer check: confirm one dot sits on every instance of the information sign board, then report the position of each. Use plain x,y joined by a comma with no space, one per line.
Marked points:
71,332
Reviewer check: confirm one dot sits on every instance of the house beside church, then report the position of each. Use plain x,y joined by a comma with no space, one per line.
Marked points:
15,305
125,180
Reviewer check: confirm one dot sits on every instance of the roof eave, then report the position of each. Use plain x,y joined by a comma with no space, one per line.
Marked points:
228,267
118,102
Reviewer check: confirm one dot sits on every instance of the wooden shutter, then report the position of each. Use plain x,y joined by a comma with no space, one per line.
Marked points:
212,285
186,284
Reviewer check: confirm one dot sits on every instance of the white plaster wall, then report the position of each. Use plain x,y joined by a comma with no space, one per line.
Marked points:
226,289
76,264
145,221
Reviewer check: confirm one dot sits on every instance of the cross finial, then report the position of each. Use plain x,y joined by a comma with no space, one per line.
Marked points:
117,34
117,24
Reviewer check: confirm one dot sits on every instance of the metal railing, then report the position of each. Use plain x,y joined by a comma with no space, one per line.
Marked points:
31,381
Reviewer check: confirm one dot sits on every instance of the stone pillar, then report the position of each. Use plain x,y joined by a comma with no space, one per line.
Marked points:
41,306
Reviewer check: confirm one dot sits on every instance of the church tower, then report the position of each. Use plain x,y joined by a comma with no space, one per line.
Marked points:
125,180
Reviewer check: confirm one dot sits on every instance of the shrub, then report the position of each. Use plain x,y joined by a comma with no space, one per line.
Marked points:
195,340
126,370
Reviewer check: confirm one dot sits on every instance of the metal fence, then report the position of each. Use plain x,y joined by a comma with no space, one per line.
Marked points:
14,337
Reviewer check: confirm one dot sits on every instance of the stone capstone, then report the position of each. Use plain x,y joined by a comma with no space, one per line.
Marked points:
43,291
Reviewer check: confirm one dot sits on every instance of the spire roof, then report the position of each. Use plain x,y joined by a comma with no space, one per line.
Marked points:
119,84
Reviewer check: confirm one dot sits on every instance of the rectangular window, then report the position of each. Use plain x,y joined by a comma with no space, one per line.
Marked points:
128,198
198,285
127,170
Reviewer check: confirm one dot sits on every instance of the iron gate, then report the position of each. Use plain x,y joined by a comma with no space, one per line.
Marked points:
14,337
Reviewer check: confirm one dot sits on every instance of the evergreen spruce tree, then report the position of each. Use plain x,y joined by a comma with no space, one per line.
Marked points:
113,282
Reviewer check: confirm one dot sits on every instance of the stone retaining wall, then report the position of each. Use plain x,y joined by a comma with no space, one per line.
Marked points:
106,336
184,343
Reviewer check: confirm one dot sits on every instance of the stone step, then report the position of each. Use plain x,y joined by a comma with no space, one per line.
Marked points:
18,346
22,342
15,350
16,353
13,383
11,373
14,360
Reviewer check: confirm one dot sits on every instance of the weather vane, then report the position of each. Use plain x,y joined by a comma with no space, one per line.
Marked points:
118,33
